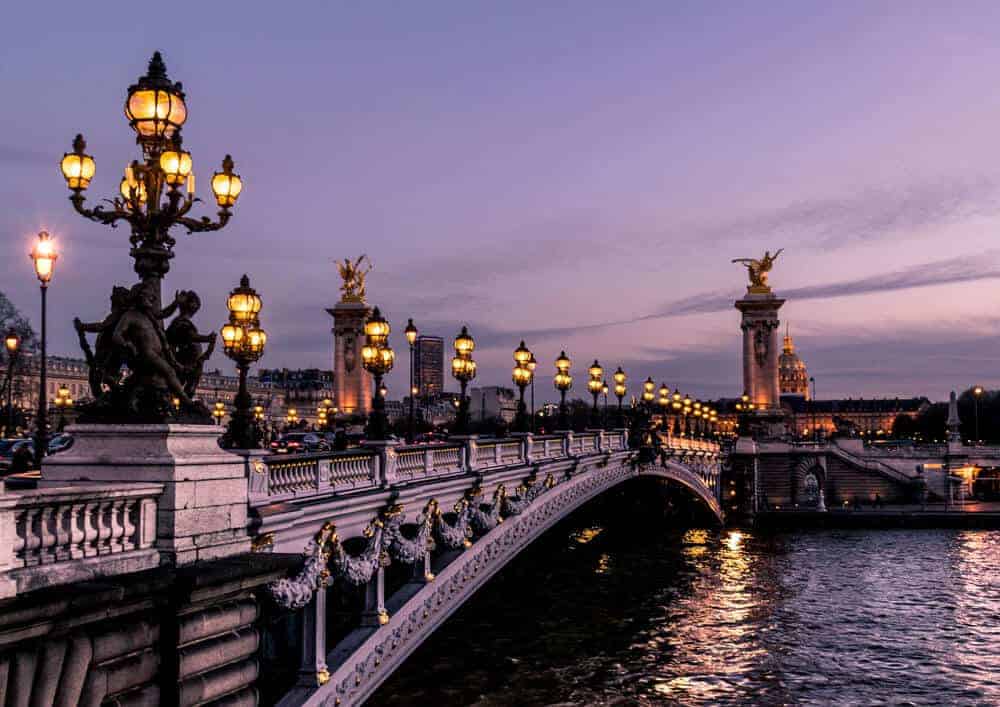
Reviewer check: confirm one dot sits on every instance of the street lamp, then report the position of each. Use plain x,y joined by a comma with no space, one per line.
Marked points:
291,417
156,194
977,393
620,391
648,386
563,381
378,358
521,376
12,342
62,401
664,402
531,366
243,341
219,412
151,198
463,369
594,386
44,256
411,339
604,414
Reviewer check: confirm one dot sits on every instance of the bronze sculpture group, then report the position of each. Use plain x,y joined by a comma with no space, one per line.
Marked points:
164,364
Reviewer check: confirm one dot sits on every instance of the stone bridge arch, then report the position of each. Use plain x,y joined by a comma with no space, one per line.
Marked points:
355,668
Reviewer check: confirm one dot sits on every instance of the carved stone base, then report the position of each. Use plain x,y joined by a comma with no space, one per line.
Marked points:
202,513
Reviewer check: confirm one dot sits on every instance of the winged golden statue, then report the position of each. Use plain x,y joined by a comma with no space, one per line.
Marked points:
353,275
758,269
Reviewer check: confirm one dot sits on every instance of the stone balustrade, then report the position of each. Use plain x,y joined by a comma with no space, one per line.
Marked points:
57,535
278,477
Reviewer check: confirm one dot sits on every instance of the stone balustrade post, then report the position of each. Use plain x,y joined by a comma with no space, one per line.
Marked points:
600,442
313,669
528,448
386,460
567,443
8,530
498,453
428,460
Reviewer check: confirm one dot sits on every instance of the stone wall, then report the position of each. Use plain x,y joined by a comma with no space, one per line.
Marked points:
164,636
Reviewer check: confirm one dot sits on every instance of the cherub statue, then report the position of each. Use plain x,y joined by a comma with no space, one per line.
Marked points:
104,361
354,279
140,336
758,269
185,341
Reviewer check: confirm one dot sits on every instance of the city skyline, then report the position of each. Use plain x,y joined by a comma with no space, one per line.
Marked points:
637,148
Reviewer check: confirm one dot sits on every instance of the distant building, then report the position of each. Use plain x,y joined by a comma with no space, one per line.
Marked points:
303,389
428,366
492,402
870,417
72,373
792,375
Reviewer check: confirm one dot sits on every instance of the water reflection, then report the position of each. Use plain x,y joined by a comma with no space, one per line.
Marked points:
724,618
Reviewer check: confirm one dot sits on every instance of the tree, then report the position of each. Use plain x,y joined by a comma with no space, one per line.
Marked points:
11,318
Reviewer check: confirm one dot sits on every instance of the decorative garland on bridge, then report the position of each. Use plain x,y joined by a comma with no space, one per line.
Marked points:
326,557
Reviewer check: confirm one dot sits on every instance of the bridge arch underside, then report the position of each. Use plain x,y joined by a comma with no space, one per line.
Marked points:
368,656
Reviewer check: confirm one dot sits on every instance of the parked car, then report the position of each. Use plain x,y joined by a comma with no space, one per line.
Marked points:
16,455
60,443
299,443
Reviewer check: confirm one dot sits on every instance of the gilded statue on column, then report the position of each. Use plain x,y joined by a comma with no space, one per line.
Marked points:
758,270
353,274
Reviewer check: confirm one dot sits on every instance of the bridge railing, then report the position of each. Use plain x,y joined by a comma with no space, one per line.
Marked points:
284,477
46,534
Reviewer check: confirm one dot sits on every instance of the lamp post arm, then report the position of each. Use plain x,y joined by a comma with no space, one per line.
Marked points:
110,218
204,224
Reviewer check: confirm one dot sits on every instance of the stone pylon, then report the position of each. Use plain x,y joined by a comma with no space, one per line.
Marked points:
761,348
954,423
352,384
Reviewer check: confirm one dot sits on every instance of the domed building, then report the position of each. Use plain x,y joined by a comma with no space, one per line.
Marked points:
792,375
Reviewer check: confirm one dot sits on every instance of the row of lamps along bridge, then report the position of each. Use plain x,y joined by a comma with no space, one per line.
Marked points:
157,193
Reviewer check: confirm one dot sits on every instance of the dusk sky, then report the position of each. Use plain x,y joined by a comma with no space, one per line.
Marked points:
577,174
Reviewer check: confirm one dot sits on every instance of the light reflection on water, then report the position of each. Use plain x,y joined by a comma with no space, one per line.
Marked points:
726,617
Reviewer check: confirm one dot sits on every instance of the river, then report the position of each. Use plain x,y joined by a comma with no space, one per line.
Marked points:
608,611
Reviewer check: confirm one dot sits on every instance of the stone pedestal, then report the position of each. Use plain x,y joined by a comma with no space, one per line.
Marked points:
760,347
202,513
352,384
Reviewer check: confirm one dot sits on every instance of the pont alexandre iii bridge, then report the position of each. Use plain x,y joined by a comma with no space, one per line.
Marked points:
220,579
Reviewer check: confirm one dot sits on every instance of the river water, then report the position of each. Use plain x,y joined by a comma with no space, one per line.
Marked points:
608,611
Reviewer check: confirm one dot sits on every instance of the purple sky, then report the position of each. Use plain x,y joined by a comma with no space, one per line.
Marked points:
578,174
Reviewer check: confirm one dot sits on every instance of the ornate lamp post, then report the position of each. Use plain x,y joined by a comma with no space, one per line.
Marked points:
463,369
219,411
648,386
977,393
62,401
620,391
378,359
563,382
291,417
411,339
675,407
156,193
531,366
44,256
663,401
521,376
243,341
12,342
604,414
594,387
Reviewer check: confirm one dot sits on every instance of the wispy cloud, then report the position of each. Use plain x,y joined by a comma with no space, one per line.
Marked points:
870,215
942,272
